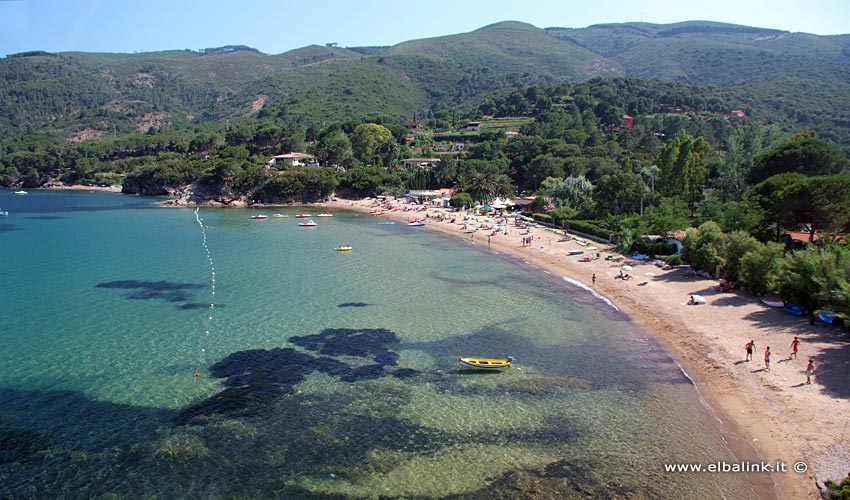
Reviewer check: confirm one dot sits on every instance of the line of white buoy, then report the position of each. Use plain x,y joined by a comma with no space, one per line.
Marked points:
202,340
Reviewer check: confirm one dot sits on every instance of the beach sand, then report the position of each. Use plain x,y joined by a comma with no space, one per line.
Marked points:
770,415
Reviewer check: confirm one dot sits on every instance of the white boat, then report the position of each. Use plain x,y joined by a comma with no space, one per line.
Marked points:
309,223
20,192
325,215
4,213
281,216
772,301
259,216
419,222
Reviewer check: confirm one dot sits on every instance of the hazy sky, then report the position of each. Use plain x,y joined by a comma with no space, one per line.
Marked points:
277,26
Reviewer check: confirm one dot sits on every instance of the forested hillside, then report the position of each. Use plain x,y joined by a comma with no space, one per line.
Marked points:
794,80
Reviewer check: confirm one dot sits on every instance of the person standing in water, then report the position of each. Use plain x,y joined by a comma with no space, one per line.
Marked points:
767,359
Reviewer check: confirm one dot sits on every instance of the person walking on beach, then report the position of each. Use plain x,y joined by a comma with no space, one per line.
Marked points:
593,279
810,370
794,344
767,359
750,347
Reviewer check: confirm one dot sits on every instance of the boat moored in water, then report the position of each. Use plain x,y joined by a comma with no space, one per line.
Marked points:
309,223
343,248
259,216
486,363
303,215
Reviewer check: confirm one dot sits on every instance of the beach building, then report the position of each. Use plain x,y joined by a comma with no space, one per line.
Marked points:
420,162
434,197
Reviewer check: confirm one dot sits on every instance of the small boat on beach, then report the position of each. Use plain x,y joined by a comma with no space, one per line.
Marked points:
418,222
303,215
309,223
325,215
259,216
826,316
575,252
486,363
794,309
772,301
343,248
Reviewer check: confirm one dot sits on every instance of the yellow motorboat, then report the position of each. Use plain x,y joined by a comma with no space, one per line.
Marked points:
343,248
486,363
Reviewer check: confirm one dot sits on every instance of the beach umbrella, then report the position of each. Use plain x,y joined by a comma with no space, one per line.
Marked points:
627,268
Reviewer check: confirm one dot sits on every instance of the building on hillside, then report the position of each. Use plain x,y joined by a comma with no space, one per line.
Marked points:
292,159
473,126
799,240
420,162
628,122
411,125
738,112
511,134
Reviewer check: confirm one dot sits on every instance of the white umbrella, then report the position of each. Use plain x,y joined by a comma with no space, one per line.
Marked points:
627,268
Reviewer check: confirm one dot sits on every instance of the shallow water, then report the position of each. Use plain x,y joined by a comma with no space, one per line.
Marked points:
322,374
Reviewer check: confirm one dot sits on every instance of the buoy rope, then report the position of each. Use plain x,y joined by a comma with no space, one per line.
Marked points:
202,339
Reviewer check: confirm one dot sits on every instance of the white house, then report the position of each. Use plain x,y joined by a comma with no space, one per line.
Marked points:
420,162
293,159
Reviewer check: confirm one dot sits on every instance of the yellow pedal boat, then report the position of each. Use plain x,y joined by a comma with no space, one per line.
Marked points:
343,248
486,363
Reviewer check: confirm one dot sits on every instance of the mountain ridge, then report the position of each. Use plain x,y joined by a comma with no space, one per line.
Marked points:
796,77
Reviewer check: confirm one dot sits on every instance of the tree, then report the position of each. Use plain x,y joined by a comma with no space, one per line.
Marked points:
683,167
370,142
572,192
738,244
705,247
619,193
760,268
484,180
542,167
804,153
670,214
461,200
334,148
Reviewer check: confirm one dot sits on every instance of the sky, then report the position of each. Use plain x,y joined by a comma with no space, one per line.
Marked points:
274,27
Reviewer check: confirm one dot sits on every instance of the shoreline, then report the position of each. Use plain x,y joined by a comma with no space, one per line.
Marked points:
764,416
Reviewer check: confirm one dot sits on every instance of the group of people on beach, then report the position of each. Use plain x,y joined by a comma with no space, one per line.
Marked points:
795,345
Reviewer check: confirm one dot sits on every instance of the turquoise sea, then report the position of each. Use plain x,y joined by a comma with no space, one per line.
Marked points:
320,374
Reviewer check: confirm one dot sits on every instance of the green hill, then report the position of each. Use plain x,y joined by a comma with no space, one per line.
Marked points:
794,78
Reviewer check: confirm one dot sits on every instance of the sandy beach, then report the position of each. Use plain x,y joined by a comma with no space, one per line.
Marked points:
770,415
